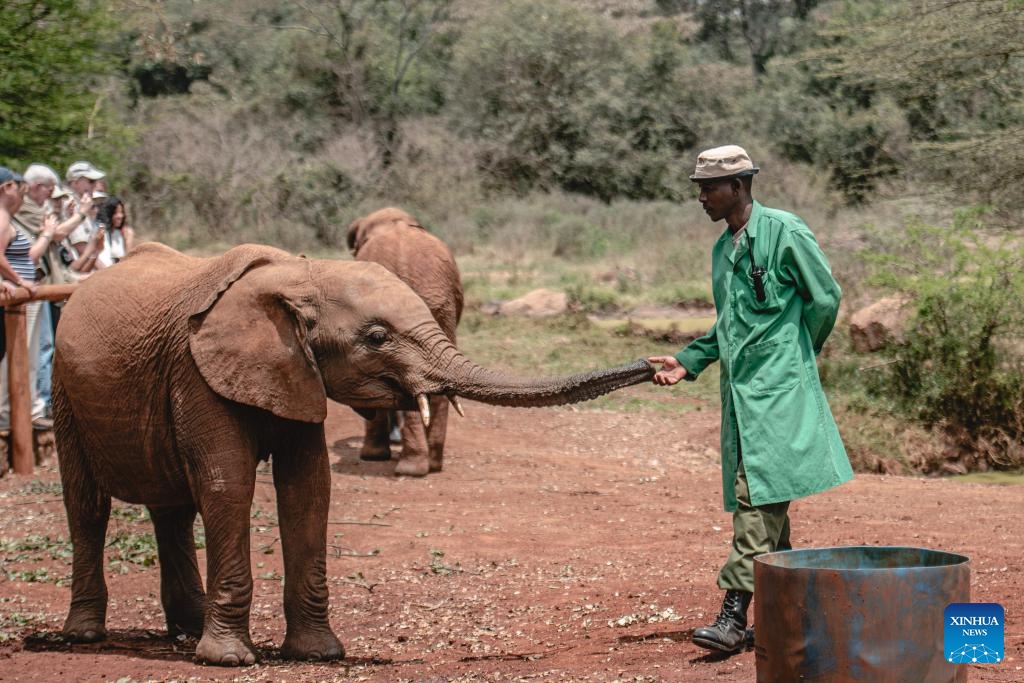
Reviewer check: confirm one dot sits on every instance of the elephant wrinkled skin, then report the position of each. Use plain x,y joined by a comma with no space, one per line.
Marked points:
397,241
174,376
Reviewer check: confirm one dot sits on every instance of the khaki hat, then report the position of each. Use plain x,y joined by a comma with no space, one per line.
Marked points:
723,162
83,169
60,191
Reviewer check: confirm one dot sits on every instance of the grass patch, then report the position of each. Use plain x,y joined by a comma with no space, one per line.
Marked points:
13,624
696,325
37,487
35,548
999,478
130,548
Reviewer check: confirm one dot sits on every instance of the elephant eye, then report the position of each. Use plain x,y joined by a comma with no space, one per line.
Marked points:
377,337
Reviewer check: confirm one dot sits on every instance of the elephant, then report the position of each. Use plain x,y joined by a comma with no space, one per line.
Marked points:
175,376
397,241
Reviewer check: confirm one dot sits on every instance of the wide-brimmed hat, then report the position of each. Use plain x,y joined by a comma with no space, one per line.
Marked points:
727,161
60,191
83,169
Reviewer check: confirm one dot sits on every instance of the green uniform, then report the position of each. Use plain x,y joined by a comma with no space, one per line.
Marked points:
771,393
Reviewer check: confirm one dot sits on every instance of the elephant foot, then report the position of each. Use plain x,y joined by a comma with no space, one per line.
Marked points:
85,623
84,630
369,452
225,650
412,466
317,646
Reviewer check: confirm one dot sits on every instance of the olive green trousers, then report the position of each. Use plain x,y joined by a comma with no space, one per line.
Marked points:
755,530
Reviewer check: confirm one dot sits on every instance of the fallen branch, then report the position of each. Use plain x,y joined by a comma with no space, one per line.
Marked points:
362,584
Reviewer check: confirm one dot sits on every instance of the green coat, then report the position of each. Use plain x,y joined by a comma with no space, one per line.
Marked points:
771,393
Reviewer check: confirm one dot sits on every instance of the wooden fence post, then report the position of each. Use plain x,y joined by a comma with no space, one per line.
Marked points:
19,392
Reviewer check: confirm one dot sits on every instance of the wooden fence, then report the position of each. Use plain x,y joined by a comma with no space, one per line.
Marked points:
21,451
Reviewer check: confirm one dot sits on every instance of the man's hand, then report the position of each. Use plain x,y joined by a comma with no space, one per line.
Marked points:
671,371
85,204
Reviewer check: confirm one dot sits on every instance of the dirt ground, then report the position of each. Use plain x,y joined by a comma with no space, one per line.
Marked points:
557,545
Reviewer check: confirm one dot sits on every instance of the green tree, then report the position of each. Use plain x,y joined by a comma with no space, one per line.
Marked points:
373,61
525,79
956,68
53,58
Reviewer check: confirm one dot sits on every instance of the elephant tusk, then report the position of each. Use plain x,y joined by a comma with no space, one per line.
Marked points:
424,409
455,404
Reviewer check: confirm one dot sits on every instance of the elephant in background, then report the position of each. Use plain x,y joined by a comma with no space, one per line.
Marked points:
396,240
175,376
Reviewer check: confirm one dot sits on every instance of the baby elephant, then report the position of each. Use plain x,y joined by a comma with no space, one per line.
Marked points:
397,241
175,376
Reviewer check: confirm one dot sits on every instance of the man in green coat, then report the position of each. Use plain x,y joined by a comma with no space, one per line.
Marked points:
776,303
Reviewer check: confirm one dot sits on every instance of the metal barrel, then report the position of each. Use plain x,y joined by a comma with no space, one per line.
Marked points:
864,613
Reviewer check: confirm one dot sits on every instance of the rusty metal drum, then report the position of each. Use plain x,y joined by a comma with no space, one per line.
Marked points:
866,614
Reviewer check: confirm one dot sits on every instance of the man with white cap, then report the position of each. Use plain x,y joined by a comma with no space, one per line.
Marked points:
83,170
776,303
82,178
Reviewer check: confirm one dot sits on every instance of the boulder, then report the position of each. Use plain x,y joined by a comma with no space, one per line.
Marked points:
881,323
540,303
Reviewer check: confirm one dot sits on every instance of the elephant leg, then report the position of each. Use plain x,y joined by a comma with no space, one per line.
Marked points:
302,478
88,509
181,588
225,495
376,442
414,461
438,429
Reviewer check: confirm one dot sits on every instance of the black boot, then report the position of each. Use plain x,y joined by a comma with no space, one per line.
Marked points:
729,632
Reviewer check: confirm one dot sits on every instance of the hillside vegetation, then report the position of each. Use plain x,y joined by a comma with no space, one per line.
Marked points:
549,142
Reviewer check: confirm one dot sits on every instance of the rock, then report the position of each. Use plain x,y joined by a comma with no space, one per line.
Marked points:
540,303
881,323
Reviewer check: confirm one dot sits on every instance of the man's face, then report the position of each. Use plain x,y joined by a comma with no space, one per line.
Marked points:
718,197
82,186
40,191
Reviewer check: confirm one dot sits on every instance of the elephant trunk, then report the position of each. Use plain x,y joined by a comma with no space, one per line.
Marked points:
464,378
497,389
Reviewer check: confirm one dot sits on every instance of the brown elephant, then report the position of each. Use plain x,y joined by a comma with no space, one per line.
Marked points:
174,376
397,241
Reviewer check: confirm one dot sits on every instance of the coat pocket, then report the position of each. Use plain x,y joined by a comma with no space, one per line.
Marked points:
770,366
772,301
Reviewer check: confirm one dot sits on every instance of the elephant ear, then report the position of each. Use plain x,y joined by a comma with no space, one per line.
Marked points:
250,345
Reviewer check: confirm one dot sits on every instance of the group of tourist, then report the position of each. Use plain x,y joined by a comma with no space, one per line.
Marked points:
53,232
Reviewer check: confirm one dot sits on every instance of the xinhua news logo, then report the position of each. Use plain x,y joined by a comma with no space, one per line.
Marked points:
974,633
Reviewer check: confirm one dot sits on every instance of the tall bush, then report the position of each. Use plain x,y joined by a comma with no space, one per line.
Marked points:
961,364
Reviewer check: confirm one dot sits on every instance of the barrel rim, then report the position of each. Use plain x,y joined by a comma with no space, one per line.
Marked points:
956,559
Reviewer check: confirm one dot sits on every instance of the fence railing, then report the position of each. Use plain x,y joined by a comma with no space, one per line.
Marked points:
20,393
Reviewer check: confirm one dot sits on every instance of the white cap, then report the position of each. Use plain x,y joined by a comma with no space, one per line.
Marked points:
83,169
